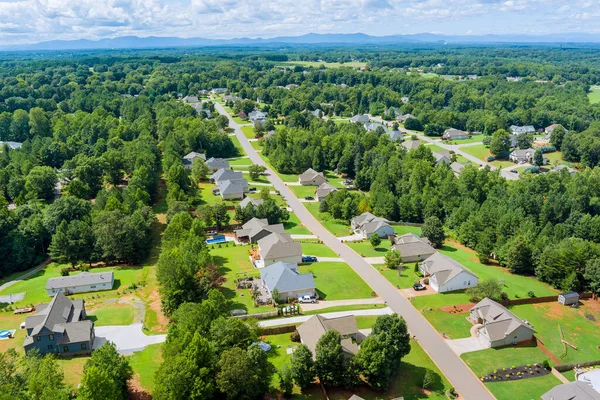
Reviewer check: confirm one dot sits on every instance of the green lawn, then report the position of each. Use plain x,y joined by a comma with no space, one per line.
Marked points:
454,325
237,145
345,308
401,277
482,362
366,250
472,139
240,161
337,281
317,249
462,159
594,94
479,151
434,147
336,227
319,64
240,121
303,191
366,322
502,163
145,363
577,329
403,229
248,131
257,144
293,226
121,314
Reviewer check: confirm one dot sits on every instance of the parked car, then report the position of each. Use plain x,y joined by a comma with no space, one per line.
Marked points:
309,198
418,286
252,189
514,171
212,232
307,299
309,259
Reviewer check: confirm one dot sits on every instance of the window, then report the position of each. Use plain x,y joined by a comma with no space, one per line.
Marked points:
51,337
83,346
515,337
66,349
93,287
38,338
50,347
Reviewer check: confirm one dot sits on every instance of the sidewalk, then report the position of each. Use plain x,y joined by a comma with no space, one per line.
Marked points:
303,318
336,303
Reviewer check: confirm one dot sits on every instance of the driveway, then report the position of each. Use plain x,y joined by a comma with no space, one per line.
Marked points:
457,372
375,260
300,237
26,275
303,318
352,238
128,338
470,344
321,304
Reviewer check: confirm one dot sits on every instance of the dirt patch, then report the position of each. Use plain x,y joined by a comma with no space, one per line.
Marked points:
554,310
458,309
153,303
161,218
135,390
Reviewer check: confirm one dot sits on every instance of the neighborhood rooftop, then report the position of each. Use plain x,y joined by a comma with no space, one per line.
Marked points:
82,279
444,268
498,321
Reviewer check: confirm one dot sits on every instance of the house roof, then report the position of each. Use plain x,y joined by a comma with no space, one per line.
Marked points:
217,163
11,145
411,144
285,277
190,99
361,118
279,245
365,218
372,126
324,189
230,187
254,115
226,174
410,245
454,132
82,279
457,167
442,156
309,175
374,226
444,268
523,153
395,135
570,295
559,168
60,310
74,332
516,130
191,156
317,325
550,129
250,200
498,321
572,391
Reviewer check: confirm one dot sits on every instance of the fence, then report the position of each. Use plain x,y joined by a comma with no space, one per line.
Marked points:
568,367
537,300
278,329
418,224
266,315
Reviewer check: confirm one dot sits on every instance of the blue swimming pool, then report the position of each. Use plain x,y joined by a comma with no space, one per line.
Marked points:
4,333
216,239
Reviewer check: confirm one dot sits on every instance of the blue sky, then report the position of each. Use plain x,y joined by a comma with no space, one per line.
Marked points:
28,21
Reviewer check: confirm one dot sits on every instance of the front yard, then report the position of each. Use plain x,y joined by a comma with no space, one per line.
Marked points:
317,249
365,249
336,227
337,281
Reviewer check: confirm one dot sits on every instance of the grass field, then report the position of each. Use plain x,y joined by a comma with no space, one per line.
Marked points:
366,250
479,151
594,94
145,363
293,226
402,229
365,322
337,281
121,314
336,227
248,131
303,191
482,362
238,145
472,139
345,308
401,277
434,147
454,325
317,249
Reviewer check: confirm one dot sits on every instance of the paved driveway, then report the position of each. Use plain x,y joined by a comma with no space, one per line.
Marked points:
470,344
457,372
128,338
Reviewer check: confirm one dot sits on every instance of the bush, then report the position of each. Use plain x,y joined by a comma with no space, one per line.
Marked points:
64,272
531,295
295,337
503,296
534,169
84,267
491,158
426,281
547,149
546,364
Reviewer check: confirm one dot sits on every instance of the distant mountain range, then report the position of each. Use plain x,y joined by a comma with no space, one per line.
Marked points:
135,42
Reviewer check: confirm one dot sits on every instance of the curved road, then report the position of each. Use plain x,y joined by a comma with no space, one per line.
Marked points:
457,372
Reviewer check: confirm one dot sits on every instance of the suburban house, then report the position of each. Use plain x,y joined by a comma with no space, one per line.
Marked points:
189,158
190,99
317,325
457,167
215,164
368,224
524,156
279,247
517,130
249,200
559,168
404,99
499,327
258,116
59,327
404,117
230,97
446,274
231,190
323,190
372,126
393,112
218,90
442,157
395,136
11,145
360,118
310,177
568,298
413,248
549,129
317,113
455,134
223,175
290,283
268,135
256,229
411,144
81,283
577,390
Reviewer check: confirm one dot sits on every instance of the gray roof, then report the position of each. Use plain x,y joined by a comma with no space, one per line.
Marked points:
11,145
372,126
412,144
257,115
498,321
217,163
285,277
517,130
570,295
250,200
75,332
317,325
572,391
442,156
450,133
230,187
256,225
559,168
374,226
59,311
279,245
523,153
410,245
361,118
192,155
395,135
225,175
82,279
309,175
190,99
324,189
366,218
444,268
457,167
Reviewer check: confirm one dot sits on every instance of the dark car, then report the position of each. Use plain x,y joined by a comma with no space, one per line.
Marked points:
514,171
309,259
252,189
309,198
418,286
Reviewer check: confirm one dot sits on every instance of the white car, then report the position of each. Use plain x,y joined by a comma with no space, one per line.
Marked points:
307,299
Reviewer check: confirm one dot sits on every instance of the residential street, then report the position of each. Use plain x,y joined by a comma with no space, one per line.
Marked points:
457,372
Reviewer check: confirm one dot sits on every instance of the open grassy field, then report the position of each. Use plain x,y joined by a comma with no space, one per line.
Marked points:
594,94
238,145
434,147
293,226
366,250
145,363
482,362
455,326
303,191
336,227
337,281
318,250
479,151
240,161
401,277
403,229
345,308
472,139
118,314
248,131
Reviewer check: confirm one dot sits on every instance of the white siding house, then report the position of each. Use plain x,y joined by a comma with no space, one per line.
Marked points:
81,283
446,274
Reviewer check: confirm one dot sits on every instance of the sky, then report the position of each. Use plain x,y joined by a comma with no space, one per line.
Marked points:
32,21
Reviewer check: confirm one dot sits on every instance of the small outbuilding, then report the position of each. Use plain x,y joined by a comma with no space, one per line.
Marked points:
568,298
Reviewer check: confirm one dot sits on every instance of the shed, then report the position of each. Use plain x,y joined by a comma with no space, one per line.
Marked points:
568,298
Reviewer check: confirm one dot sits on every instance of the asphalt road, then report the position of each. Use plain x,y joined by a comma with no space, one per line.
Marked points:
457,372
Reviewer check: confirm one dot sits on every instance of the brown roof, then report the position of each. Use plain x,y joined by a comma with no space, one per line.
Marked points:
316,326
278,245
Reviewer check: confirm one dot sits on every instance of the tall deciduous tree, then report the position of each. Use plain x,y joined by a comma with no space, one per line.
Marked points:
72,243
244,374
433,230
330,363
105,375
500,143
303,366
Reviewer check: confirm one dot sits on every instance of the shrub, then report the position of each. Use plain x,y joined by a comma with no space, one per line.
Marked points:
546,364
64,272
531,294
534,169
295,337
547,149
503,296
84,267
426,281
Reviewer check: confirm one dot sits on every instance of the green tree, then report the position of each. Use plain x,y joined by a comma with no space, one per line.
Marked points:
105,375
330,363
40,183
220,215
524,141
433,230
286,382
500,144
557,136
538,158
39,124
72,243
393,259
519,256
375,240
303,367
255,171
44,378
199,170
490,288
592,275
244,374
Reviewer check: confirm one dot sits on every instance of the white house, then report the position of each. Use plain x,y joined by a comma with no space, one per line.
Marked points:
499,327
442,157
323,190
288,281
223,175
368,224
215,164
279,247
455,134
413,248
360,118
81,283
446,274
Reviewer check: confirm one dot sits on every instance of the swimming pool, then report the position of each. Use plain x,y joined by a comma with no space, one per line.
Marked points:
592,378
216,239
4,333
